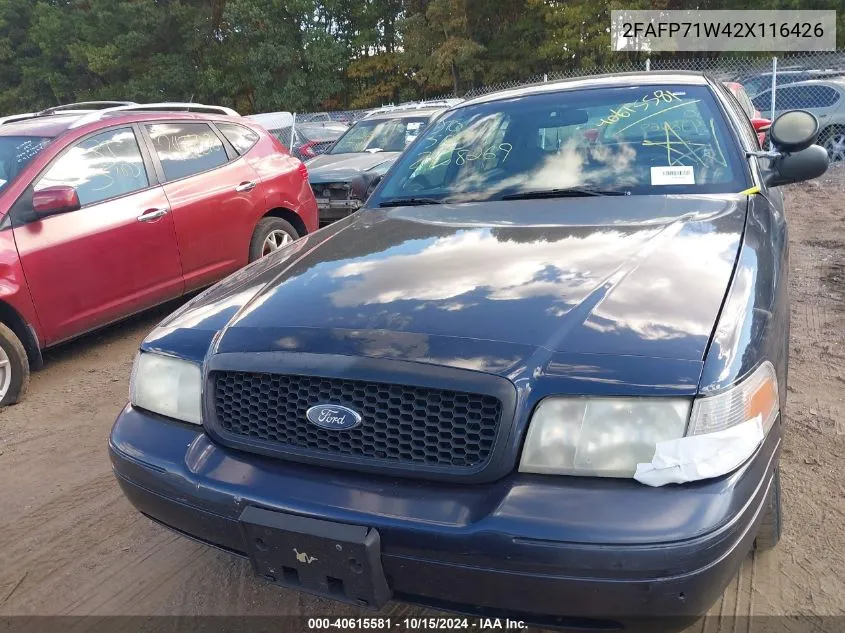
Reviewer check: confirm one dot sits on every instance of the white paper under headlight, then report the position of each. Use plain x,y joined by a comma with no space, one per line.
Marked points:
724,431
701,456
603,437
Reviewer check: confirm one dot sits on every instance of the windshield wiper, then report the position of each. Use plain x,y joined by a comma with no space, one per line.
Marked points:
407,202
568,192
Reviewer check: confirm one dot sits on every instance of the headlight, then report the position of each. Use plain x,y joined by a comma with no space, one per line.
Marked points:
605,437
166,385
681,439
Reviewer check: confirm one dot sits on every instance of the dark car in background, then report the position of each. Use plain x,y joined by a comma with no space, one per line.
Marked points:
347,173
528,379
106,210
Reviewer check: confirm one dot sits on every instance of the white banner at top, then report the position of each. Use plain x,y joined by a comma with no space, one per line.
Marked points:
740,30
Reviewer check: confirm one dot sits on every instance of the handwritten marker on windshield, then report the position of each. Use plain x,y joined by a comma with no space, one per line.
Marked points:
750,192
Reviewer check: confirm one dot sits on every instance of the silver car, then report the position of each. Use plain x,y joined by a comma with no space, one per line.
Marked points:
823,97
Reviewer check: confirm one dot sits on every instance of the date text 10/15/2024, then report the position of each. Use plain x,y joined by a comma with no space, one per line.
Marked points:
419,623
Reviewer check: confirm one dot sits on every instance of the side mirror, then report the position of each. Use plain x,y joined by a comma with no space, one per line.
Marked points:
807,164
54,200
794,131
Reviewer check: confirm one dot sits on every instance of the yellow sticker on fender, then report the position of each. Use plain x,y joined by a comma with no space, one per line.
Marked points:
675,175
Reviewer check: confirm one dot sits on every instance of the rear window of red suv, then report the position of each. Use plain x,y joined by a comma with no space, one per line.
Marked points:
16,152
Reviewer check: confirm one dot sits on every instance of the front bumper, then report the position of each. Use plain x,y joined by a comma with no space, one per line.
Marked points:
335,201
546,550
332,210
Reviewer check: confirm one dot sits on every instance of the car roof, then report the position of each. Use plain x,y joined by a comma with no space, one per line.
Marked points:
810,72
56,124
47,126
595,81
838,82
403,114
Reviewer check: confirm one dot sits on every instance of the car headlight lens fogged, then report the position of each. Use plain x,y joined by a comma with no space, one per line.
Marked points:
677,438
168,386
605,437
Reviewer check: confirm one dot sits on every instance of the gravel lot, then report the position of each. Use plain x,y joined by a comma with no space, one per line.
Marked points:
71,545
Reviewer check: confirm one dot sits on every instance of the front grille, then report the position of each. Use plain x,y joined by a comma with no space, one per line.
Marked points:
402,425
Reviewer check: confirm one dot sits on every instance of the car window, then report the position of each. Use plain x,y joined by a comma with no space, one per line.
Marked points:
241,138
796,97
319,132
185,149
819,96
644,140
791,98
100,167
16,152
380,135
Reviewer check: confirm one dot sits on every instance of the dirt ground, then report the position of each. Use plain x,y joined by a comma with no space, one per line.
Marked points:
71,545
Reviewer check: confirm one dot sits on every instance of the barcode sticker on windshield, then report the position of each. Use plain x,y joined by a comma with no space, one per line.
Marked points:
677,175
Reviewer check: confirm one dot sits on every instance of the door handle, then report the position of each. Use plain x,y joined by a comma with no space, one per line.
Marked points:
153,214
245,186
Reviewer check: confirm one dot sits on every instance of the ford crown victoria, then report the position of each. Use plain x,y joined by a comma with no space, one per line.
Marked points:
540,374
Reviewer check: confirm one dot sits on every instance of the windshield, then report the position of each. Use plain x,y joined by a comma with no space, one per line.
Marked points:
15,154
640,140
320,132
380,135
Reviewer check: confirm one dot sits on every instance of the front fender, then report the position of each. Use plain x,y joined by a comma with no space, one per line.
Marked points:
753,324
19,310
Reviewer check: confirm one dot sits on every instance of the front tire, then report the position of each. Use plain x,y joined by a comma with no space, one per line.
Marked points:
271,234
770,527
14,367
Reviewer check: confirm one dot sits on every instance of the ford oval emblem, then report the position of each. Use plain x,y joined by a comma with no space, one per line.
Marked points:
334,417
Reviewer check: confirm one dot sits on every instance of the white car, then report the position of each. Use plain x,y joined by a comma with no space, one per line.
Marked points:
823,97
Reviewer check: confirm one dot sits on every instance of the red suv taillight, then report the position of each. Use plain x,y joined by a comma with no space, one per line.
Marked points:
303,171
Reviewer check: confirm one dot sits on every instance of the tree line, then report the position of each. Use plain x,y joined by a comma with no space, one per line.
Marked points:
301,55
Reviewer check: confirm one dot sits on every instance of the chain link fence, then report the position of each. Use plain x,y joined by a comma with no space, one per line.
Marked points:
770,85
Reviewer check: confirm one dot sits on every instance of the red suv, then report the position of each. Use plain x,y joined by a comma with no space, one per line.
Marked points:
104,213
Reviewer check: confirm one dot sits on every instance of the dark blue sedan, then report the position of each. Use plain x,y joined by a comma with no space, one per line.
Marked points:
540,374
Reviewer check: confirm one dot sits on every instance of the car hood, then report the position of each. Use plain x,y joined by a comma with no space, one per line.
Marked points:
488,285
343,167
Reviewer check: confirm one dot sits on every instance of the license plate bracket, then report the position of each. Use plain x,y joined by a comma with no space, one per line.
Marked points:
336,560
